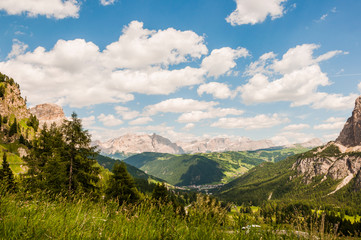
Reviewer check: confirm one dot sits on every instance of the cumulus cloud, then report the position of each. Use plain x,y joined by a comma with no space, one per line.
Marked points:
331,124
88,121
107,2
293,127
126,113
138,47
78,74
189,126
359,86
141,121
218,90
18,48
109,120
178,105
291,137
255,11
257,122
103,134
221,61
295,78
58,9
196,116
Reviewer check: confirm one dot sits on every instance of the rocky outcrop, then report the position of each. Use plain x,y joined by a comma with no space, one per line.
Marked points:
338,160
48,113
224,144
335,167
11,101
350,135
132,143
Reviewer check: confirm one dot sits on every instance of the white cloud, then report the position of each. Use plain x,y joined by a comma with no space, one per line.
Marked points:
299,57
138,47
323,17
293,127
291,137
330,137
58,9
334,101
126,113
259,66
257,122
196,116
103,134
331,124
141,121
335,119
88,121
255,11
18,48
189,126
300,77
222,60
218,90
155,80
109,120
78,74
178,105
107,2
359,87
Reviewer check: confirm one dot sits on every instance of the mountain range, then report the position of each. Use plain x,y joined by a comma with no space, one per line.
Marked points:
129,144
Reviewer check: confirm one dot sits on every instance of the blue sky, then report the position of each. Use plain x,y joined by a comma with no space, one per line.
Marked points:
283,70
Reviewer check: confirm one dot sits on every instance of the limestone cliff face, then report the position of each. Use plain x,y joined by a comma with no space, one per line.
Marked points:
48,113
338,160
132,143
336,166
350,135
11,102
224,144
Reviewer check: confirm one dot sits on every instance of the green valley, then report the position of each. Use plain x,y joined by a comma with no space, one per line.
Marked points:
206,168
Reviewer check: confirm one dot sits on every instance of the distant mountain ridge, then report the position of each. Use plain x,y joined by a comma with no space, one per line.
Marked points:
134,144
224,144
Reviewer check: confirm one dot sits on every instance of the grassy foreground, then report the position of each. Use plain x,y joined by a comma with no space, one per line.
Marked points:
84,219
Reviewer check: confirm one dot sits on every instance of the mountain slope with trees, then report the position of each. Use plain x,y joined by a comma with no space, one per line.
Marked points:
328,174
205,168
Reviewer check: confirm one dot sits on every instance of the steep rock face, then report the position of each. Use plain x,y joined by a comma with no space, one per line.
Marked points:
11,102
48,113
350,135
224,144
335,167
132,143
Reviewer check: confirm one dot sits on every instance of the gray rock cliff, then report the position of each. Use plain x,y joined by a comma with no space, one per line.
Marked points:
350,135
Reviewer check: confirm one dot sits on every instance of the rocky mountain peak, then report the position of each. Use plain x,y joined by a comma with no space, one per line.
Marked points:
48,113
133,143
11,101
350,135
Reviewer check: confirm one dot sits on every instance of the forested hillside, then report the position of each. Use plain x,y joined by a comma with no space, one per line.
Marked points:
205,168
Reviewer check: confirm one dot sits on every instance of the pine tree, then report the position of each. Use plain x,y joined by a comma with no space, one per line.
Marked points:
22,139
62,160
13,128
80,156
7,176
160,192
46,149
121,185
